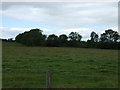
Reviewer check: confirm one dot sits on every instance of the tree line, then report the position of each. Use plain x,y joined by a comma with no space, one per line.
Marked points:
108,40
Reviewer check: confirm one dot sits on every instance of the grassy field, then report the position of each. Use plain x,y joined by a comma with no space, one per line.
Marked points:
26,67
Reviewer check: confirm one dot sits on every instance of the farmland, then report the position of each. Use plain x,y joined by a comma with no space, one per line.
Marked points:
25,67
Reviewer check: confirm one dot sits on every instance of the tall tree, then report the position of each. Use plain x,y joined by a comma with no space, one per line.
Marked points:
74,36
52,40
110,36
103,37
94,37
116,36
34,37
63,40
63,37
75,39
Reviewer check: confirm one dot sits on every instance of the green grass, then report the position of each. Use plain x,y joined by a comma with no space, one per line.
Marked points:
25,67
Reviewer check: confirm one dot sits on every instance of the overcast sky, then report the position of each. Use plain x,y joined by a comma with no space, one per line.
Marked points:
58,17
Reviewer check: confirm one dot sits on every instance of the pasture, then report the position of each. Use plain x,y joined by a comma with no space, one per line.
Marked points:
26,67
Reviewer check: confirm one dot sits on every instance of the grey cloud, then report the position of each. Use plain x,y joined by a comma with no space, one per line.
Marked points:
7,5
65,14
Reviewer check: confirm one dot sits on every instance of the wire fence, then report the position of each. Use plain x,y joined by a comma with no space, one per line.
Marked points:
49,78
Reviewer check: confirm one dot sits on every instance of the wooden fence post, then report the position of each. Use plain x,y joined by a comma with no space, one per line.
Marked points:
48,79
